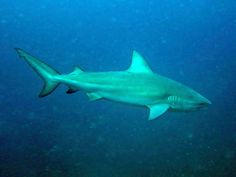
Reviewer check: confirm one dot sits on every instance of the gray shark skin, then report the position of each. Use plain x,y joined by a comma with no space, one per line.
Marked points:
137,85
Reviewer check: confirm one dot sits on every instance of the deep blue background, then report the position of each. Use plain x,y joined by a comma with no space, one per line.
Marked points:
191,41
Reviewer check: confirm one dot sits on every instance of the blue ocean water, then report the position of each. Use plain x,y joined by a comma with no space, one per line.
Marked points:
62,135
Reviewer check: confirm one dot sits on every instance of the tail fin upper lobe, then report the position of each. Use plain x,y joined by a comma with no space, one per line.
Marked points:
46,72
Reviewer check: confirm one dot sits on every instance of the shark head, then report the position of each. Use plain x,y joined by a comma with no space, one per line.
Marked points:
189,100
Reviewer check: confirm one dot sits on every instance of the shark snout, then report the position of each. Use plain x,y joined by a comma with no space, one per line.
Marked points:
207,102
198,101
203,102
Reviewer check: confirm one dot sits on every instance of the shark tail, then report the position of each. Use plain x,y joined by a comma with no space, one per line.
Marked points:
47,73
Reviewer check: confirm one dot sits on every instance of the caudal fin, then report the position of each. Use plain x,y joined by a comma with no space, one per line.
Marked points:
47,73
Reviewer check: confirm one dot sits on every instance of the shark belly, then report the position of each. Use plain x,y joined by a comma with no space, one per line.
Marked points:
126,98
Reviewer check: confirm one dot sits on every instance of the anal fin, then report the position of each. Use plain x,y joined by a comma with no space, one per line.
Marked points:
71,90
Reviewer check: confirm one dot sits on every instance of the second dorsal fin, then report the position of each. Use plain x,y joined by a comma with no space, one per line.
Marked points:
77,70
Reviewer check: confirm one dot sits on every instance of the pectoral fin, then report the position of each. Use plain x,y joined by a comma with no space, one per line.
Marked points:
157,110
94,96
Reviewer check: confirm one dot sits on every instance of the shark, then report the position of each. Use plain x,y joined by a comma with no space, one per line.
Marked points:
137,85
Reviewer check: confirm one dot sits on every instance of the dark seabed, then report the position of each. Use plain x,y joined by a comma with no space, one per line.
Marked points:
192,41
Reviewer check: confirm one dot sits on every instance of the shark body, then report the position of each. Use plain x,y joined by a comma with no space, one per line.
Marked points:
137,85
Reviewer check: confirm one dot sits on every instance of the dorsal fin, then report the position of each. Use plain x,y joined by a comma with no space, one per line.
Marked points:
139,65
